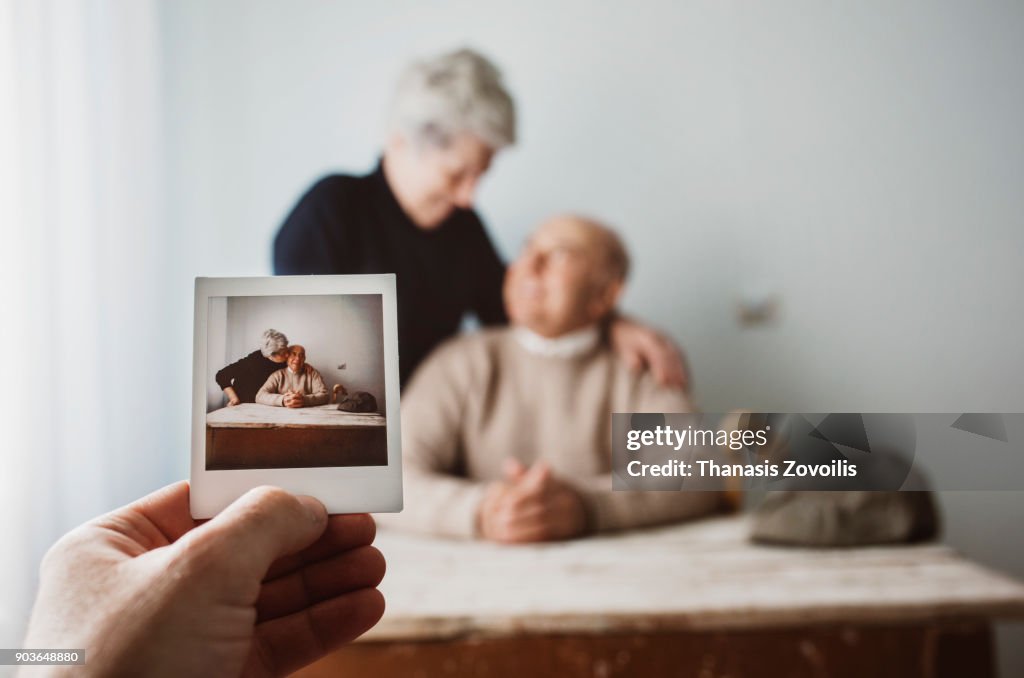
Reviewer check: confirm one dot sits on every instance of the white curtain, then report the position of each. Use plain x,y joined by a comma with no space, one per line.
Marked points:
86,424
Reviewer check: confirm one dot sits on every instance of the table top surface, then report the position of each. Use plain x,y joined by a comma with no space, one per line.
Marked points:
703,575
255,415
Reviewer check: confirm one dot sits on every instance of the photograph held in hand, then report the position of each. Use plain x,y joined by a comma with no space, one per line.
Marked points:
296,385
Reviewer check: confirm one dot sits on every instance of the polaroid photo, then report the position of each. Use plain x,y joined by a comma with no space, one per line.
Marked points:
295,384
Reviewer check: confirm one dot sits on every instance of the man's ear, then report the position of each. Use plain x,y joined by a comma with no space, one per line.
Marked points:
604,302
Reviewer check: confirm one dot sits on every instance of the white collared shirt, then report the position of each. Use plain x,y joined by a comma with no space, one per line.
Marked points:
569,345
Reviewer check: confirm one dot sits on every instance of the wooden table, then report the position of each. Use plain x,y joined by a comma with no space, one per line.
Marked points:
251,435
690,600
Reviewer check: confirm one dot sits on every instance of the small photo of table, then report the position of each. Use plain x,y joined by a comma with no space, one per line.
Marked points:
254,436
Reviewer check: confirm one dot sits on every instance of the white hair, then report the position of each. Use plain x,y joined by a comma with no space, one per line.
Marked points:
272,341
444,96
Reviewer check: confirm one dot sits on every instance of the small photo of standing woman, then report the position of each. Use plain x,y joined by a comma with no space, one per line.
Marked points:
242,379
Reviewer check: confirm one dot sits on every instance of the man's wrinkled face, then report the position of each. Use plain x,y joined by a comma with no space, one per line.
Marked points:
296,358
557,284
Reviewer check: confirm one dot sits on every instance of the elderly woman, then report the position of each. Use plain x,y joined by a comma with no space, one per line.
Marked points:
243,378
413,215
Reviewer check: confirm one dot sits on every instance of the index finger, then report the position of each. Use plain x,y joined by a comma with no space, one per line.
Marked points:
343,533
522,494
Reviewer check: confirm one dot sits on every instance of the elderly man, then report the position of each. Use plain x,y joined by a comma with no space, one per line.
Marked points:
506,432
298,385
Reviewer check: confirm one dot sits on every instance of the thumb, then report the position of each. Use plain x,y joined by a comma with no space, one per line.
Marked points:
258,528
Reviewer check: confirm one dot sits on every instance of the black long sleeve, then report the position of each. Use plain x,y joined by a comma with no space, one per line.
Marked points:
311,241
247,375
489,276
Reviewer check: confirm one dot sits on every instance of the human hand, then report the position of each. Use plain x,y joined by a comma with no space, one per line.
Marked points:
233,398
530,505
643,347
293,399
270,584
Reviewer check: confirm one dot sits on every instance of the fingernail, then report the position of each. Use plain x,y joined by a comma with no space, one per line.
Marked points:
316,509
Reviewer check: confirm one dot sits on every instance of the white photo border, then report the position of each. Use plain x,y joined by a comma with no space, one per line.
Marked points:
342,489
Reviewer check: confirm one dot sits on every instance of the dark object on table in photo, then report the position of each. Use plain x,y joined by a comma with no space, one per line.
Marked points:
360,401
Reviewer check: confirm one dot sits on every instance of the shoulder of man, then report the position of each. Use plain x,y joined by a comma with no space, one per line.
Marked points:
463,358
638,391
274,380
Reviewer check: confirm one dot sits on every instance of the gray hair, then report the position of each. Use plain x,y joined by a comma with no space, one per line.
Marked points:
271,342
456,92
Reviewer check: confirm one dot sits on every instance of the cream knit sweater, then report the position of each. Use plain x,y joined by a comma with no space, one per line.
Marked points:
483,397
308,382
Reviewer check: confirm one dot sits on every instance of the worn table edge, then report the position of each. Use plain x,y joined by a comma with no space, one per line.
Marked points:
468,626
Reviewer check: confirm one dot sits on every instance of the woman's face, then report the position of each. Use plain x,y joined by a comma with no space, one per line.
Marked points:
281,356
431,181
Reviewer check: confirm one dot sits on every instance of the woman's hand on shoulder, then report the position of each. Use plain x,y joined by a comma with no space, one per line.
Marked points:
643,347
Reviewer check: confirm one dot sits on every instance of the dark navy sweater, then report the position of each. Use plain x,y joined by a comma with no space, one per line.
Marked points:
247,375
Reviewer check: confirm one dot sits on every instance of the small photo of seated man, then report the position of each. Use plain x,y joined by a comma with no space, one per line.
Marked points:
297,385
506,433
